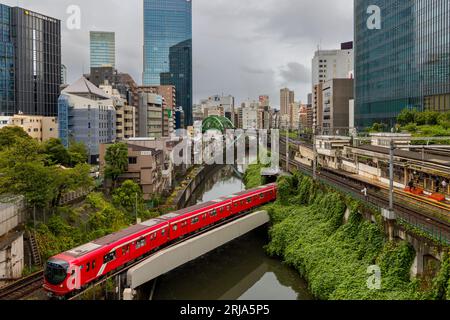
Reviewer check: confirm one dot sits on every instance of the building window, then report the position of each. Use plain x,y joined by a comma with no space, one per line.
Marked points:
132,160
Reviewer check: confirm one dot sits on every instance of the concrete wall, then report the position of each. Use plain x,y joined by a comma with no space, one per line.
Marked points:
11,215
11,257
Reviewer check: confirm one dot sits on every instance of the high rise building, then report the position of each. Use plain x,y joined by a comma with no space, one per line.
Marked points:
168,48
7,94
328,65
30,62
103,49
336,96
405,63
287,97
333,64
180,76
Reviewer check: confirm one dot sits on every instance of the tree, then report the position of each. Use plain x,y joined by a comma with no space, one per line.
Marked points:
78,153
125,197
9,136
406,117
34,180
116,159
56,152
71,180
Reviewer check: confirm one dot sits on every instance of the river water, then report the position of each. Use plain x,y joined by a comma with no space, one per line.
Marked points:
239,270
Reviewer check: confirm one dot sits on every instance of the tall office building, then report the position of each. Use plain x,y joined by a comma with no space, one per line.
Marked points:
405,64
103,49
30,68
7,95
168,48
287,97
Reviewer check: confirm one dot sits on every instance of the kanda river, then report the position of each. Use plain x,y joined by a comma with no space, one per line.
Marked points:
240,270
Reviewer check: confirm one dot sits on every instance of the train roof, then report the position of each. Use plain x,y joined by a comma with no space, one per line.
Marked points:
246,192
112,238
197,207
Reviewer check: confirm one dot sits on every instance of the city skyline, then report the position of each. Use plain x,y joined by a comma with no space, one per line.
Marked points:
257,54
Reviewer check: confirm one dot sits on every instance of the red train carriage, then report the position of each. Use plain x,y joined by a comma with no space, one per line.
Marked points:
77,268
247,200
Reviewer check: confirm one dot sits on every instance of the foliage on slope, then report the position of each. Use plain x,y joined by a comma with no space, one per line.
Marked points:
308,233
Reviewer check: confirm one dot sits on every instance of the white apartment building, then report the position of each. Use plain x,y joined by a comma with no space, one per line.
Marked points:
328,65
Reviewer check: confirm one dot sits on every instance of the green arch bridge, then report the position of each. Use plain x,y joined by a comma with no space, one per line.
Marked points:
217,123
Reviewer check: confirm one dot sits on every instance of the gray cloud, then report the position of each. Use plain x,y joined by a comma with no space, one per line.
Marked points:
239,45
295,72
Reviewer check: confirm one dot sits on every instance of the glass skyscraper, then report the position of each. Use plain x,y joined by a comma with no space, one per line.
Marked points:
7,95
406,63
103,49
168,32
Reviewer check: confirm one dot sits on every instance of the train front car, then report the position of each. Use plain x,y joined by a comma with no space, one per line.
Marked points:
57,275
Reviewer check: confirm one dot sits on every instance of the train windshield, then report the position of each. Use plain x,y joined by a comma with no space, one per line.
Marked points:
56,271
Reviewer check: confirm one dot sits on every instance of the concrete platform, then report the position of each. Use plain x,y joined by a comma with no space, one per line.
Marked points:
176,256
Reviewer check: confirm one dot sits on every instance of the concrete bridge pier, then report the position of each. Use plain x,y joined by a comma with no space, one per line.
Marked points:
129,294
417,267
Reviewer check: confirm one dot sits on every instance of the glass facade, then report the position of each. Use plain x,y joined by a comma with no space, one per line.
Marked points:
167,27
406,63
180,76
37,43
7,95
103,49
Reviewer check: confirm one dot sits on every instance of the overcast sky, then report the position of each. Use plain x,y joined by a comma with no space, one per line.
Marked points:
241,47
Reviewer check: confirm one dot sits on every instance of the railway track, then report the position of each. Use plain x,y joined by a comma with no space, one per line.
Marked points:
406,211
23,287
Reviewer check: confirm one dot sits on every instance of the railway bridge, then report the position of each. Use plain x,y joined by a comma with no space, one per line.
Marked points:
189,250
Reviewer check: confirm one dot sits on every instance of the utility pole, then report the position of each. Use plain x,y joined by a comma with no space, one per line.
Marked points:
391,176
287,152
315,155
135,208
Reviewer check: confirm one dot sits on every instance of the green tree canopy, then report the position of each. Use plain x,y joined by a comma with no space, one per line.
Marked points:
126,197
116,159
78,153
56,152
11,135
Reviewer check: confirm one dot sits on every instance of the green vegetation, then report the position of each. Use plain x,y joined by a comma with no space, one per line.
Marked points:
425,124
31,168
58,154
116,159
252,177
334,257
70,227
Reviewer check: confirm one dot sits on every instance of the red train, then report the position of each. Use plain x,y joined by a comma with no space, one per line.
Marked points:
73,270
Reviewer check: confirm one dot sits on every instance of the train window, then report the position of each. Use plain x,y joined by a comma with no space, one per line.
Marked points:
109,257
195,220
204,216
93,265
261,195
163,232
221,209
228,208
175,228
88,267
213,213
249,200
140,243
236,204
